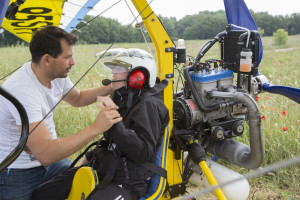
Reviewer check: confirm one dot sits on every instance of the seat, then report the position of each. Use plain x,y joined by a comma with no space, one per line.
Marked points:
84,183
86,178
158,183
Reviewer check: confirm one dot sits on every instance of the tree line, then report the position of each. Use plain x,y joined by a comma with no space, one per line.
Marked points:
204,25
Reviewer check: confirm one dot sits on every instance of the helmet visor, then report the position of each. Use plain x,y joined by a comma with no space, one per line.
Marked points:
114,61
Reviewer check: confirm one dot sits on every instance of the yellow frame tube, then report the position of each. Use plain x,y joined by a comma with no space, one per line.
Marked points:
211,179
162,41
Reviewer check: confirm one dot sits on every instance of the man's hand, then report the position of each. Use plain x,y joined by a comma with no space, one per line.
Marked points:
106,101
107,117
48,151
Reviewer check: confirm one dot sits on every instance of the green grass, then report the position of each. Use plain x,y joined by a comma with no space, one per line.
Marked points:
280,67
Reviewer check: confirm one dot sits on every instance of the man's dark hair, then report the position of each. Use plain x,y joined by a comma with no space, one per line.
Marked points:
47,41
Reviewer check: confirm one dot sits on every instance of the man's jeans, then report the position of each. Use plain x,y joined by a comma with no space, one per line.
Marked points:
19,184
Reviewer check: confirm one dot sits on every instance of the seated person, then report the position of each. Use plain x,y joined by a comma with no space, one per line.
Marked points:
133,141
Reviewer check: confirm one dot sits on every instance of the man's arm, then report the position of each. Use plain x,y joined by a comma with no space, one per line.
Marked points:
78,98
48,151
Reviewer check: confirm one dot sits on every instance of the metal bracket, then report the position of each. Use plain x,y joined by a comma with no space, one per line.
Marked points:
170,49
139,24
177,189
169,75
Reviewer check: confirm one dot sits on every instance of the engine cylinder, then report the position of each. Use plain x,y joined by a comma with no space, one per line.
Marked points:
214,80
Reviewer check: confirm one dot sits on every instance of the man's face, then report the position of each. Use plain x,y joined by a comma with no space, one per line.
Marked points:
119,74
63,63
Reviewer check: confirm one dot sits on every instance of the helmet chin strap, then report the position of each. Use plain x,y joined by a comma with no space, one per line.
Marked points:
129,99
131,94
118,95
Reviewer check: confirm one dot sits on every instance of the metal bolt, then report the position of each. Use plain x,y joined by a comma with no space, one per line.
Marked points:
82,196
240,128
166,195
220,134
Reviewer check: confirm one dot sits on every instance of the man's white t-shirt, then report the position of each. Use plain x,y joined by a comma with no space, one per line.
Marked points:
37,100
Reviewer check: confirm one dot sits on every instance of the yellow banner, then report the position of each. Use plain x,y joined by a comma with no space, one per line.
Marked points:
33,15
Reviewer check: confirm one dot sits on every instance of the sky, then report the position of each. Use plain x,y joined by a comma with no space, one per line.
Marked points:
180,8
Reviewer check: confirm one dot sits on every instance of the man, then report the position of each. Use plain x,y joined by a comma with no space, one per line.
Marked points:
39,85
123,160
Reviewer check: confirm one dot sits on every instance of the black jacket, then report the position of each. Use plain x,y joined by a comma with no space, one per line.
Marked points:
137,137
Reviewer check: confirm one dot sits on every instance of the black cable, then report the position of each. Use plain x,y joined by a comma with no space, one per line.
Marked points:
12,72
85,151
24,132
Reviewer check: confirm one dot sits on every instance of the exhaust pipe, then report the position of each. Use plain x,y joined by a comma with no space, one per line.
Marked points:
233,151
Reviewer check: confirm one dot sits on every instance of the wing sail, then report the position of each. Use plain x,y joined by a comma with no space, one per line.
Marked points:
74,12
3,8
35,14
32,15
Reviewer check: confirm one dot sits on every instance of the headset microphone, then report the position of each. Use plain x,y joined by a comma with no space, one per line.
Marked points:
106,82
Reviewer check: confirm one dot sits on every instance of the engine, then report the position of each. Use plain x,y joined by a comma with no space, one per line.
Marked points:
224,122
212,109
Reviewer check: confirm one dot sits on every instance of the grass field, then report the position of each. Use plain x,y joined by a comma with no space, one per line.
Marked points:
281,116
